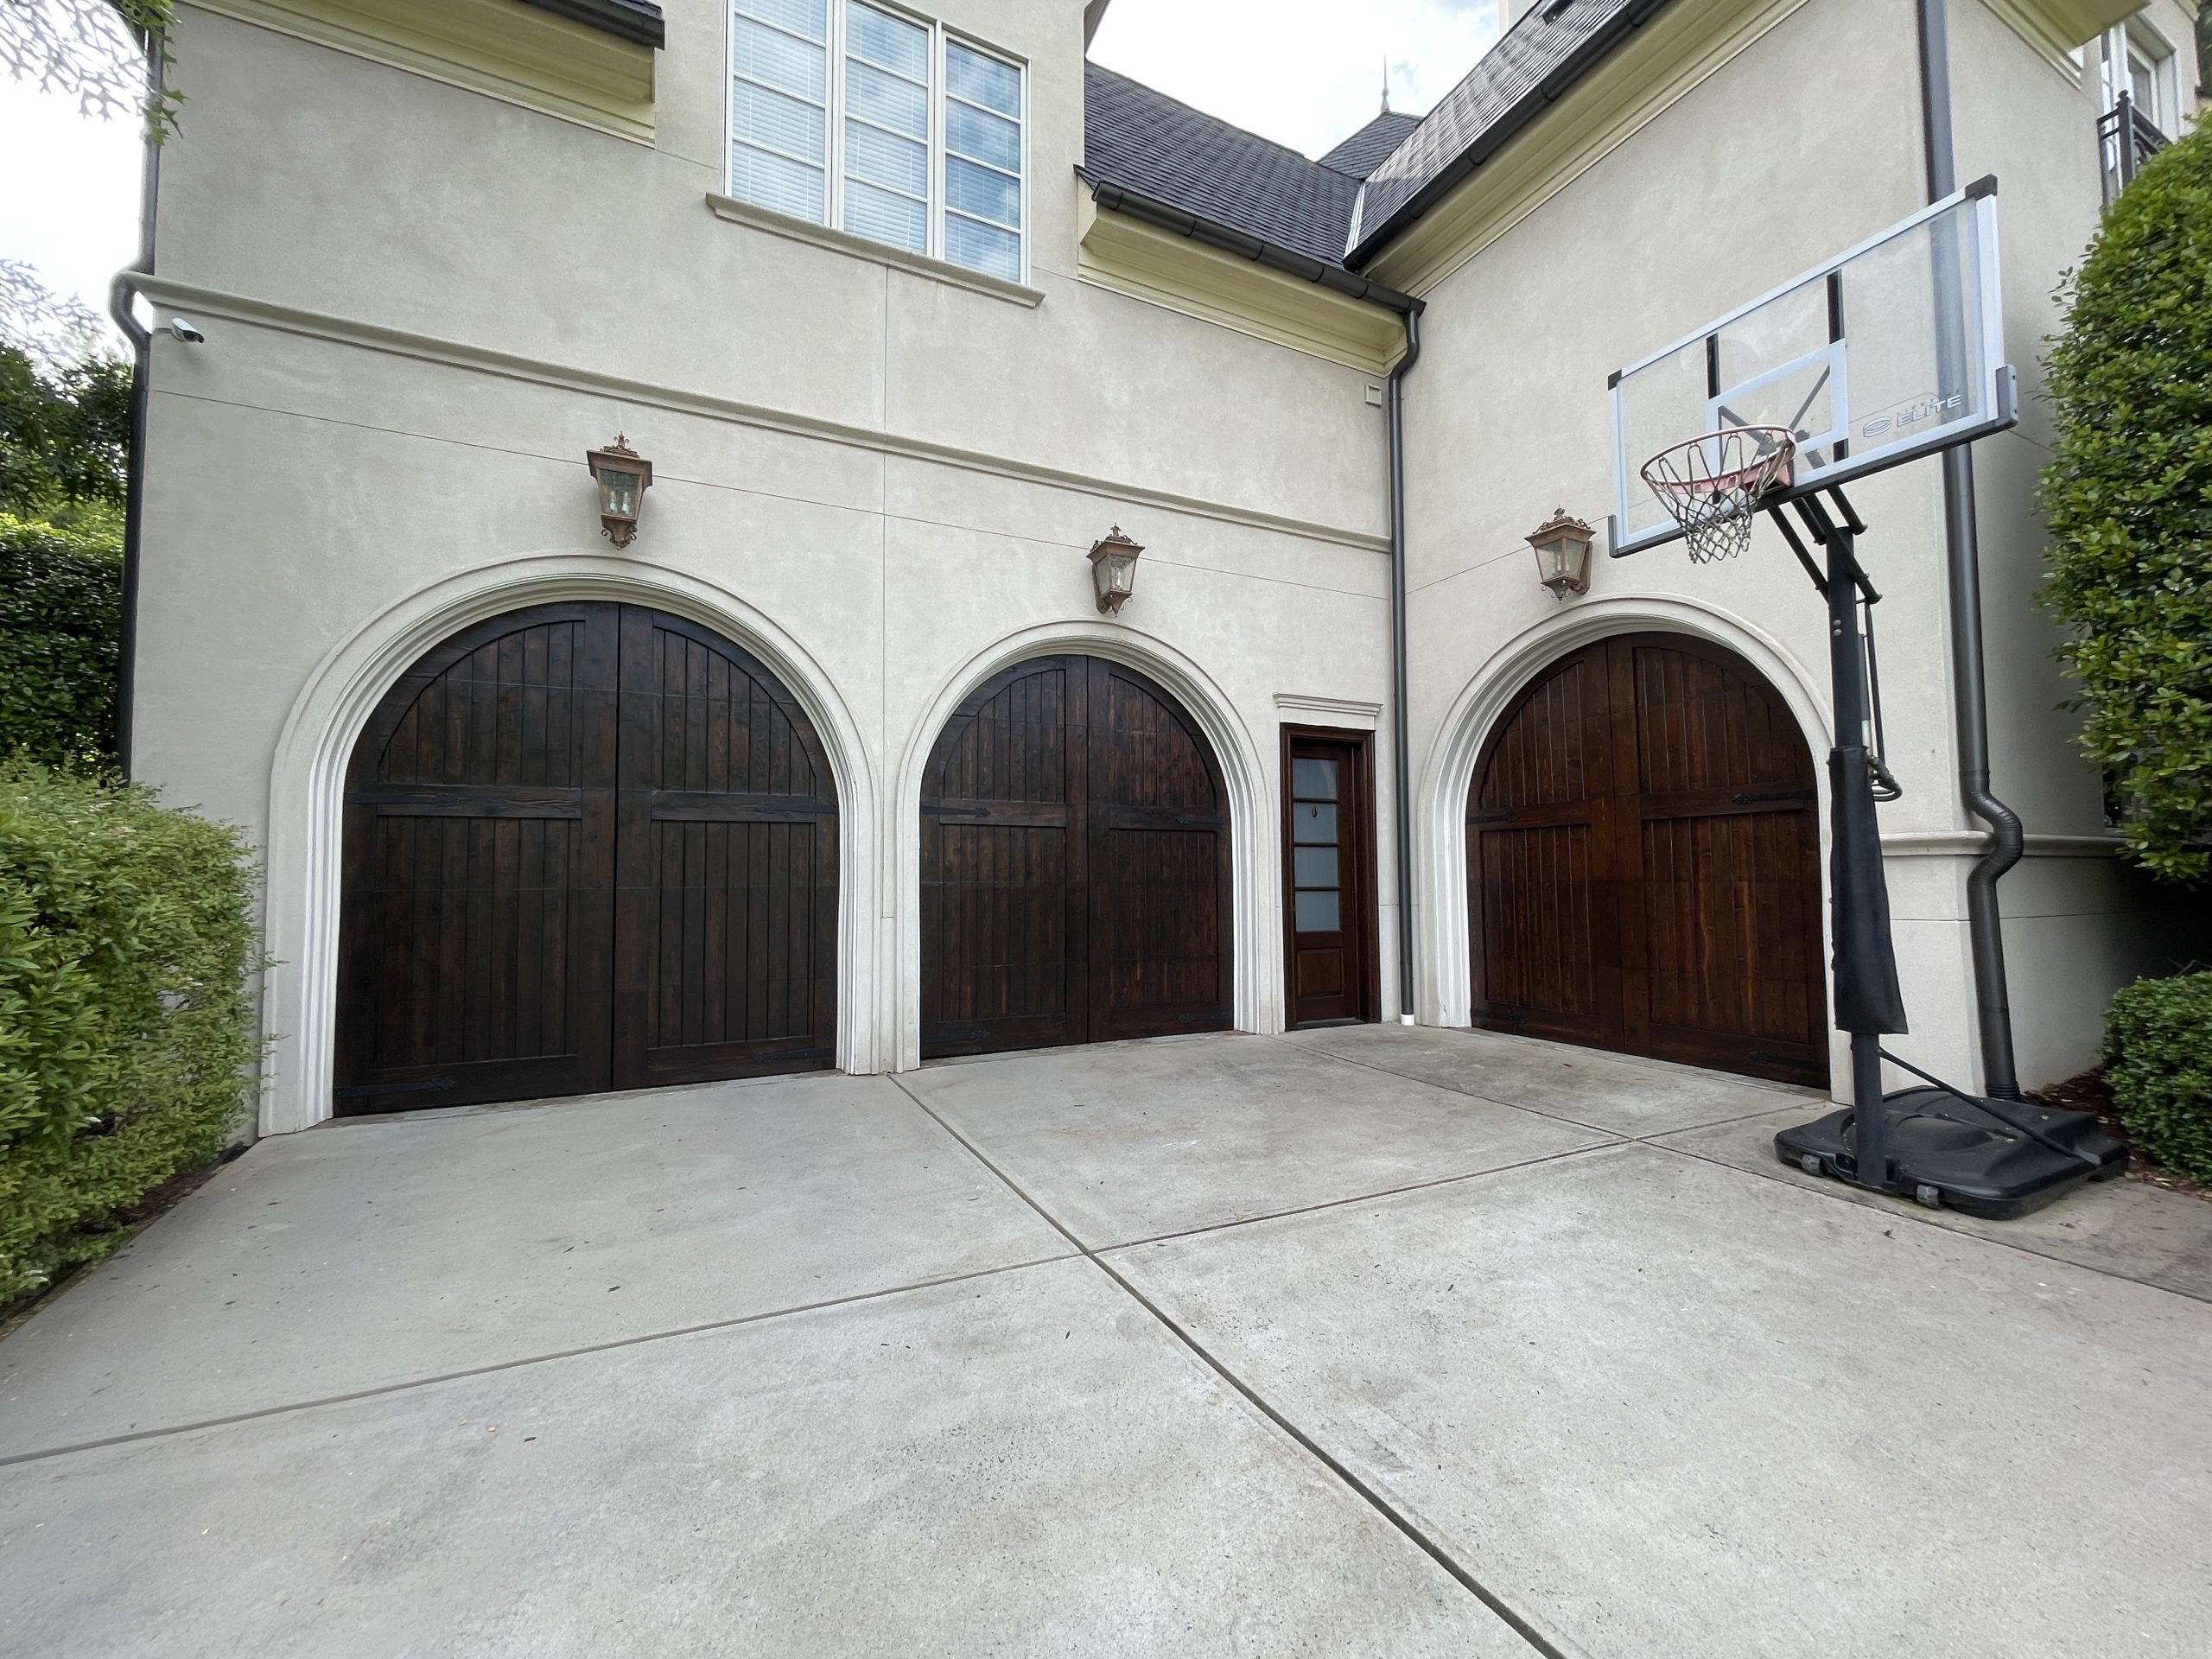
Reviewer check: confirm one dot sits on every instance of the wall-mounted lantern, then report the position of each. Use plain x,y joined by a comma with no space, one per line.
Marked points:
623,476
1113,571
1563,547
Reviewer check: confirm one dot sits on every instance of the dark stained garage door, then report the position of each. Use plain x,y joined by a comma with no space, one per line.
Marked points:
1075,865
1644,863
587,846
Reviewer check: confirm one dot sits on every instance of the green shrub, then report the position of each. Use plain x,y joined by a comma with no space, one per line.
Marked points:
2159,1057
2128,498
127,945
60,629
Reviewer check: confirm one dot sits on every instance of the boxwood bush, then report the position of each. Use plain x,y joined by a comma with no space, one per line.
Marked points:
127,1035
2129,497
2159,1058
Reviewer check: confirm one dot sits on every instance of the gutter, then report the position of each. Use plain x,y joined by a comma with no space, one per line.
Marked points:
1553,86
1115,199
637,20
1120,199
122,292
1985,918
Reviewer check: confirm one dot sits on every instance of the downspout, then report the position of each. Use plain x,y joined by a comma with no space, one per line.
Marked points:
122,293
1985,920
1117,199
1400,724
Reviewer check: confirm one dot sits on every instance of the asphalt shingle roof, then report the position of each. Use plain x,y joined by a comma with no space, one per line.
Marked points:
1156,147
1366,149
1150,143
1544,41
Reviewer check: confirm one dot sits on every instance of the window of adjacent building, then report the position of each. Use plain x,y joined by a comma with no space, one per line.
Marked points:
879,122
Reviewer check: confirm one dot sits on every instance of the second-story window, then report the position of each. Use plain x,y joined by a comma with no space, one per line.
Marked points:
878,123
2138,62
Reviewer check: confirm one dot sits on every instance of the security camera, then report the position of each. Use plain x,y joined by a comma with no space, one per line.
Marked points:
184,331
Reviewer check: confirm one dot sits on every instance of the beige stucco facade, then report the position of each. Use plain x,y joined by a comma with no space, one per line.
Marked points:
423,301
1735,186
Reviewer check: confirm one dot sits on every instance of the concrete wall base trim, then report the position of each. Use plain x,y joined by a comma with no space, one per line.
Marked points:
306,785
1444,952
1255,843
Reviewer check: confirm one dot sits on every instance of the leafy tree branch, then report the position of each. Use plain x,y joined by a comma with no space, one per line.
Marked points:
95,51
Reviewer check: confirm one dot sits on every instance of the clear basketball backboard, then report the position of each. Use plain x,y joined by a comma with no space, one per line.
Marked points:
1890,351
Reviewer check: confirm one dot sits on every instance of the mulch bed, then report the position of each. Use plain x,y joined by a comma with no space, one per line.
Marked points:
2090,1092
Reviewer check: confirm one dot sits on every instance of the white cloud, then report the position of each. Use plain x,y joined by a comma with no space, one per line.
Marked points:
1303,72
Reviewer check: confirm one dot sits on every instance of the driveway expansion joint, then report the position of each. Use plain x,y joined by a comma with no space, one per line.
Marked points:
406,1385
1398,1519
1664,1141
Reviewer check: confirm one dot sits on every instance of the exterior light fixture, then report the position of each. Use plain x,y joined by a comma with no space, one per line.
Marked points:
1562,548
1113,571
623,476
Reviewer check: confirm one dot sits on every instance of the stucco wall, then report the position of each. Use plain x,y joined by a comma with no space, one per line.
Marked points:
1805,142
422,304
420,310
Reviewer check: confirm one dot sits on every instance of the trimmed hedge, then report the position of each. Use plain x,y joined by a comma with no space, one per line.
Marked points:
127,1031
2128,498
2159,1058
60,635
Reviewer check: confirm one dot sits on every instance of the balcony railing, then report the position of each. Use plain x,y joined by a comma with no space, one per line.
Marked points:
2125,139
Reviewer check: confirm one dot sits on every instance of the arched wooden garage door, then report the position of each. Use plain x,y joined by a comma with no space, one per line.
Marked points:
1644,863
1075,865
587,846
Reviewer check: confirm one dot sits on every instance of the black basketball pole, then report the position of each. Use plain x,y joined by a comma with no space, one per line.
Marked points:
1868,1002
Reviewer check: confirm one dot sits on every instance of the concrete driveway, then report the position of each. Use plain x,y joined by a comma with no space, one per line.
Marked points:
1365,1341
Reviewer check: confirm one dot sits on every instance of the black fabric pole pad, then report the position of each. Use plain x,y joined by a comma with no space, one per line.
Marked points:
1867,999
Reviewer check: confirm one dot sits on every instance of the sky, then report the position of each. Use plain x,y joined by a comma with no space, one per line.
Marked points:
1304,73
72,211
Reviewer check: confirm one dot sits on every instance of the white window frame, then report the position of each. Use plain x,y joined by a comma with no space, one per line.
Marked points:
2137,35
834,116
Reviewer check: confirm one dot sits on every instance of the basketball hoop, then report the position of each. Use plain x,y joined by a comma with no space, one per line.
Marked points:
1714,484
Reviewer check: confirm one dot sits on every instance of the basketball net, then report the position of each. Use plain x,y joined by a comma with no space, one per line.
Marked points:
1714,484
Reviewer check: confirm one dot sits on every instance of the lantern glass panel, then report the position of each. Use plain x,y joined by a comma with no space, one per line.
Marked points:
618,492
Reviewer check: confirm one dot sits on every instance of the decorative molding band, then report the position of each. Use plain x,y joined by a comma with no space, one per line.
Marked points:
518,54
2056,28
1660,64
1143,261
1331,711
396,342
822,235
1973,843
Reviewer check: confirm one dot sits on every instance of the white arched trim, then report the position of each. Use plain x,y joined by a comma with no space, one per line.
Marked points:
1448,770
307,786
1256,946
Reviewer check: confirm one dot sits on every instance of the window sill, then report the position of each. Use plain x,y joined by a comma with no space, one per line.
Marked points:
822,235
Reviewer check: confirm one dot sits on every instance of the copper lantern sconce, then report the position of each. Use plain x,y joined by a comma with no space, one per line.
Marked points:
1113,571
1562,547
623,476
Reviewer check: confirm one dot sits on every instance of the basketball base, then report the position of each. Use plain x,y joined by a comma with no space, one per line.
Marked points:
1949,1149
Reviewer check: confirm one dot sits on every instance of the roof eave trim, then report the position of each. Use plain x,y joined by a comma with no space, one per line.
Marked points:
1601,45
1119,199
611,17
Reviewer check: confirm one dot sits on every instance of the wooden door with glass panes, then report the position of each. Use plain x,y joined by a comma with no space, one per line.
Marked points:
1328,878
